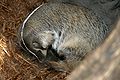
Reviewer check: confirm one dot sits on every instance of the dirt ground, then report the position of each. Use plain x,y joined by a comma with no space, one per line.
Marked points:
14,63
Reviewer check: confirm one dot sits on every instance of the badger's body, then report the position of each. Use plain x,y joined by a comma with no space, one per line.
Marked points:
71,31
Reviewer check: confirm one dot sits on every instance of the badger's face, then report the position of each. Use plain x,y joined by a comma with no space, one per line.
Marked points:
43,41
37,43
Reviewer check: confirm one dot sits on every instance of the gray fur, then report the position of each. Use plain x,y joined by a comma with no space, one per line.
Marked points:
71,30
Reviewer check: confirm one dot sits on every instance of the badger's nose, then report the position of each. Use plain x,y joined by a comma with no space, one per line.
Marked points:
51,55
60,55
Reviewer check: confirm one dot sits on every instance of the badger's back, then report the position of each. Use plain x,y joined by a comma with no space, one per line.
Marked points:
73,21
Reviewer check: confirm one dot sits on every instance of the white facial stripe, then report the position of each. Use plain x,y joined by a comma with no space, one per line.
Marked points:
56,42
45,44
44,52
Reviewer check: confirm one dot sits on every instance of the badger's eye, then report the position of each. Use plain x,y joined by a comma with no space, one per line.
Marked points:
36,45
